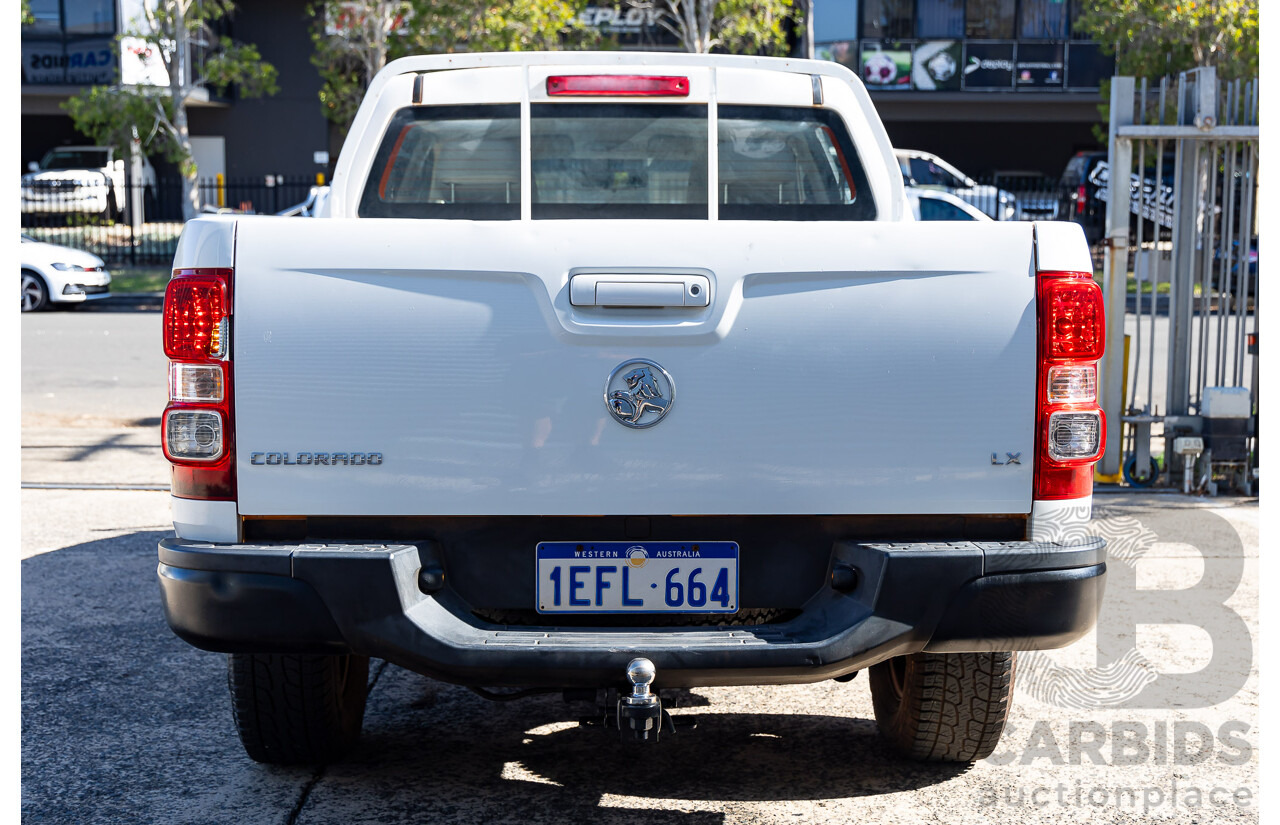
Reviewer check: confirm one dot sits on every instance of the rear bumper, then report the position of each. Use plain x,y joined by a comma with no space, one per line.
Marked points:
365,598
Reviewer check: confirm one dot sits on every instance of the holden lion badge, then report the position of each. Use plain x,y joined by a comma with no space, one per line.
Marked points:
639,393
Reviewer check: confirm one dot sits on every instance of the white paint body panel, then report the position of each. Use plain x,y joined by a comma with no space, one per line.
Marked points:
853,368
1061,520
1061,247
205,520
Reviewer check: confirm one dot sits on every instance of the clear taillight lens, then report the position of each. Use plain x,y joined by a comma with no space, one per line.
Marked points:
1072,385
193,435
195,383
1074,435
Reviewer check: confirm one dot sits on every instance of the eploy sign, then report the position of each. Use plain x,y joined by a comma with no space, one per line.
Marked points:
85,61
620,19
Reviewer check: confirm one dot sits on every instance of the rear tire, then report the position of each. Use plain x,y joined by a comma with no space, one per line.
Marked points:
943,707
296,709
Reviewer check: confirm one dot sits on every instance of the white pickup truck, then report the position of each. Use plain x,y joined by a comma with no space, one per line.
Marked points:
614,372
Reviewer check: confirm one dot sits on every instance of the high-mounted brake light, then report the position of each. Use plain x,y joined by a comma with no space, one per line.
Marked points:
196,434
1072,429
618,85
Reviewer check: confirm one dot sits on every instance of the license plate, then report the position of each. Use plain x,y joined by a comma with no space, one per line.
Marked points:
635,577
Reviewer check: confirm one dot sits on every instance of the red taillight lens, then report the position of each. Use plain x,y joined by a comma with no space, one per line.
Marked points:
1081,195
1073,314
1072,430
196,433
622,85
196,309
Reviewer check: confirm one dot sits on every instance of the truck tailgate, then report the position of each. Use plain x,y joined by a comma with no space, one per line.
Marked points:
840,368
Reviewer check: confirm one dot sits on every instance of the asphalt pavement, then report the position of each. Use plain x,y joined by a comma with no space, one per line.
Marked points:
123,722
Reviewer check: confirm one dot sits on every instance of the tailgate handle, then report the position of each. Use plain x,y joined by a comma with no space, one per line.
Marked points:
617,290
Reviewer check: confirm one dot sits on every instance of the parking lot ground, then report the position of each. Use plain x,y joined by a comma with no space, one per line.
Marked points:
123,722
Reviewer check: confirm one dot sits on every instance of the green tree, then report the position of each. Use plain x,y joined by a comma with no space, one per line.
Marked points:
177,33
1154,38
354,40
734,26
27,17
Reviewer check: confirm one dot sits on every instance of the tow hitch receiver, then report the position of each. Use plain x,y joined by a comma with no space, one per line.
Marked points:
640,713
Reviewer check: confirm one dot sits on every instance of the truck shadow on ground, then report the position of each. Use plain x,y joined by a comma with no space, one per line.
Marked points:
434,746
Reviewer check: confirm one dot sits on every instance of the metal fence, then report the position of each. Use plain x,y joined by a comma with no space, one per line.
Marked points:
139,223
1190,147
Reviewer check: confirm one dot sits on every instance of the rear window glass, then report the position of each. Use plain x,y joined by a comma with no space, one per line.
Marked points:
617,160
779,163
602,160
447,162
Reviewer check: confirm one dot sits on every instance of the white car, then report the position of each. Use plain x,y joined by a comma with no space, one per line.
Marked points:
82,179
925,171
60,274
932,205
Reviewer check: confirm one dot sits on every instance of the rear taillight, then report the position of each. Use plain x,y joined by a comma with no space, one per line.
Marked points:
618,85
1071,429
196,432
1081,195
196,312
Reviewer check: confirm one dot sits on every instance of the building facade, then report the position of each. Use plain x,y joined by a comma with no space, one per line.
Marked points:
989,85
71,45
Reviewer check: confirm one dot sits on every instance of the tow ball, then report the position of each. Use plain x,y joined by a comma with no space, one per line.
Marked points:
640,714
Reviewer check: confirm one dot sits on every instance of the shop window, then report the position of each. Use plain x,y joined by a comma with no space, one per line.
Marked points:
835,20
1077,11
91,17
48,19
888,19
989,20
940,18
1043,20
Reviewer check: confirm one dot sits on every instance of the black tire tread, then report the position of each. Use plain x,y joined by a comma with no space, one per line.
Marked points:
953,706
297,709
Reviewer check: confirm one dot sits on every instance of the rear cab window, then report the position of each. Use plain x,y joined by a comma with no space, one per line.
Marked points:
619,161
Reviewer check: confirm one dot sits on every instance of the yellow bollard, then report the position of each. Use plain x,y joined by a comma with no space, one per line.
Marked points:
222,191
319,178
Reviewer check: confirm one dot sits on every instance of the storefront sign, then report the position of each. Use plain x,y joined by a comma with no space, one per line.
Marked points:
84,61
988,66
1040,65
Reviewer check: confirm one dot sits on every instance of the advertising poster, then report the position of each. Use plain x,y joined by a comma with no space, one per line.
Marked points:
935,65
844,52
1040,66
886,65
988,66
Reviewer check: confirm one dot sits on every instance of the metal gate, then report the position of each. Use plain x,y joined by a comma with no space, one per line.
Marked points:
1184,234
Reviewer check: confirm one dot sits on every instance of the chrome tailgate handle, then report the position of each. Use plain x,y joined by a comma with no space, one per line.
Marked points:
628,290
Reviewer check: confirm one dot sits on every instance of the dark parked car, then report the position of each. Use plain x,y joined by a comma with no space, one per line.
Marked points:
1085,185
